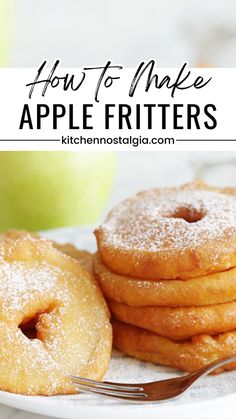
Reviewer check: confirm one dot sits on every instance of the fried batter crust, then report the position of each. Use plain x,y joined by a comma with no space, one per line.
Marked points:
188,355
216,288
178,323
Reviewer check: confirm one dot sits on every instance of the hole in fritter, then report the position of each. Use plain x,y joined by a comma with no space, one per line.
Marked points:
29,328
189,214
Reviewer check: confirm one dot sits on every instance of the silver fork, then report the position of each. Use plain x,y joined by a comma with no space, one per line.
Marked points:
155,391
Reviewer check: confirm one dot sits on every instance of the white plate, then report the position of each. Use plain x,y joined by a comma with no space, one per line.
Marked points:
211,398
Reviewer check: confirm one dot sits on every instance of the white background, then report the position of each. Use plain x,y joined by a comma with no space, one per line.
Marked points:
88,32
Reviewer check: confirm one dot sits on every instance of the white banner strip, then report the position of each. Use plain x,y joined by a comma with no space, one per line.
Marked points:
115,108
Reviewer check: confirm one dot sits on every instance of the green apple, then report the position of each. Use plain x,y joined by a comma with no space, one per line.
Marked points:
4,30
42,190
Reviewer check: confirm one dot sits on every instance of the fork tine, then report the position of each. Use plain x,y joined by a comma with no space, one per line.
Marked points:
118,394
106,385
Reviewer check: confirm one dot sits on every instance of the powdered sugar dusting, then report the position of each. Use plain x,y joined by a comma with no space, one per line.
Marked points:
19,281
152,220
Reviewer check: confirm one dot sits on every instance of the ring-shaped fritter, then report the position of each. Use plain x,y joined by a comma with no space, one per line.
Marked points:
53,319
